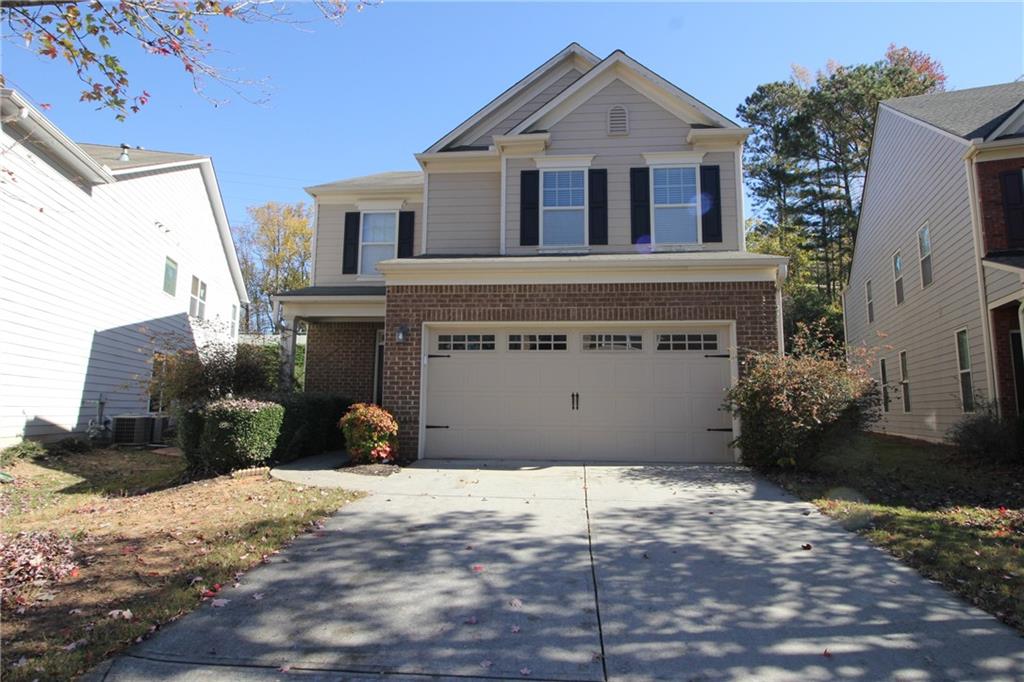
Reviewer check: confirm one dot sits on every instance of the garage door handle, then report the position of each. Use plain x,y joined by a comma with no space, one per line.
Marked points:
724,430
574,401
438,356
717,355
435,426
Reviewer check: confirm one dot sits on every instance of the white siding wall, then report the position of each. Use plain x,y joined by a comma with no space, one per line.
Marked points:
464,213
651,129
1001,283
330,240
81,288
917,176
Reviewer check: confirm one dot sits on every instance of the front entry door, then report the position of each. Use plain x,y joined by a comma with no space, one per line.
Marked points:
1017,355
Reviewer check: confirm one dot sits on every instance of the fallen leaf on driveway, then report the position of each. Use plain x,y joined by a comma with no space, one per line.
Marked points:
218,603
524,671
805,546
258,596
486,664
516,603
515,629
826,653
478,568
471,620
285,668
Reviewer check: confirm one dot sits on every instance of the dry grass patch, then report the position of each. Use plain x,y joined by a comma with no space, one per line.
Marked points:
146,549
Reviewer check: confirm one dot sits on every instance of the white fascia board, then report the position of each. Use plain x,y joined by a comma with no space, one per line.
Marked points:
579,54
357,196
718,137
223,227
1012,122
369,307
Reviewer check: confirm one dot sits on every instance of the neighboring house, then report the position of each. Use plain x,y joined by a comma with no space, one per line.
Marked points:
937,281
102,251
565,279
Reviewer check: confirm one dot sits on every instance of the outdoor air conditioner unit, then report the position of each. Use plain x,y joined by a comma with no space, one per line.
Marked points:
133,429
161,425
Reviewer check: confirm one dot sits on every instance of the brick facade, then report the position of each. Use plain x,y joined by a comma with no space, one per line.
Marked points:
340,358
1005,320
751,304
993,217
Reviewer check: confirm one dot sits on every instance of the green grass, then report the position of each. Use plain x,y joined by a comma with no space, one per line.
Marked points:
141,538
958,522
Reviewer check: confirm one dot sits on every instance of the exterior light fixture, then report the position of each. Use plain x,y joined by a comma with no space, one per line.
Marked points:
401,333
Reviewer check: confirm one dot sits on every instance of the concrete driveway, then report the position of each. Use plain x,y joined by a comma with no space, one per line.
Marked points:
454,570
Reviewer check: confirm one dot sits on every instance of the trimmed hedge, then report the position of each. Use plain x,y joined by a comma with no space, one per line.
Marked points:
310,425
237,433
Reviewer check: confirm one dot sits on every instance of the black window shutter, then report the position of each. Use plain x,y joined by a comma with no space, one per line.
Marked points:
1013,206
597,178
711,203
640,204
529,208
406,221
350,252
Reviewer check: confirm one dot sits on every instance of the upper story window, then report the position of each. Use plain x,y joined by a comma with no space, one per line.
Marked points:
197,299
924,248
618,120
1013,206
676,217
963,362
897,276
563,208
870,301
378,240
170,276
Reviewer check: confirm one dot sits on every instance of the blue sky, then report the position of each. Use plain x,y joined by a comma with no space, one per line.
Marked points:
364,96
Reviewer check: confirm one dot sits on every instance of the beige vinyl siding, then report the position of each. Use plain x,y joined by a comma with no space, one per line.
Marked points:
917,176
1001,283
533,104
465,212
652,129
81,288
330,239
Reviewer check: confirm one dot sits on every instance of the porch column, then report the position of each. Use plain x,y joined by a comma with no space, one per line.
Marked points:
287,328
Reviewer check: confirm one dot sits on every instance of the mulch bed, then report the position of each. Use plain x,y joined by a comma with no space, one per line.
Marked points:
370,469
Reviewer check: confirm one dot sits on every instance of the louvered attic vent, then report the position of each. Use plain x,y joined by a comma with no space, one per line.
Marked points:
618,120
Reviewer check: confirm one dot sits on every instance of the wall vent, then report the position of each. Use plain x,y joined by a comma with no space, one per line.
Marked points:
618,120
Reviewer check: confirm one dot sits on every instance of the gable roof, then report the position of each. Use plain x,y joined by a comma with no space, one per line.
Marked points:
110,156
573,51
969,113
391,180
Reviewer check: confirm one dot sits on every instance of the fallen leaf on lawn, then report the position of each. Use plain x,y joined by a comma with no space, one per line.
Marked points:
805,546
20,662
120,613
218,603
194,580
75,612
74,645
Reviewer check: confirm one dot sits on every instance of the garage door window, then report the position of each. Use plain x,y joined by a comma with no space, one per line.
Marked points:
538,342
613,342
465,342
687,341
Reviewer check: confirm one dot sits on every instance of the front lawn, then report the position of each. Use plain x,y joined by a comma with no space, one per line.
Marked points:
144,549
960,523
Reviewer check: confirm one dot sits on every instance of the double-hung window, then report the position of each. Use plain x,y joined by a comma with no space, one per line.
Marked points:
963,361
870,301
905,381
563,208
897,276
885,385
674,203
378,240
197,299
170,276
924,248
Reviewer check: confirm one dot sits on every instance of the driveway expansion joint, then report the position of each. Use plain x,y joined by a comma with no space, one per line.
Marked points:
593,575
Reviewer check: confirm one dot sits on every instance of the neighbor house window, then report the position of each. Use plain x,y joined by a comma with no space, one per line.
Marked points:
674,204
963,359
197,300
885,385
613,342
378,240
156,391
170,276
234,319
904,381
924,247
563,218
897,275
870,301
538,342
687,342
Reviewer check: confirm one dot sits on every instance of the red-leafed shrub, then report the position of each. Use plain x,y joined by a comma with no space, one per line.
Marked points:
371,434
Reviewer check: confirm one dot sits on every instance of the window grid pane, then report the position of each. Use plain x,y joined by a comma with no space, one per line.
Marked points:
563,189
687,342
613,342
675,186
455,342
538,342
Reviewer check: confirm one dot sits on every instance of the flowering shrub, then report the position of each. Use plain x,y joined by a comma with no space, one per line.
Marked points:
371,434
791,407
237,433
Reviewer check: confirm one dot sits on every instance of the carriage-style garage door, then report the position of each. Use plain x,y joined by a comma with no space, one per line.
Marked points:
650,394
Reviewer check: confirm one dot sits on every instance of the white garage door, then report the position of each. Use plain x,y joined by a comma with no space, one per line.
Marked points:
578,393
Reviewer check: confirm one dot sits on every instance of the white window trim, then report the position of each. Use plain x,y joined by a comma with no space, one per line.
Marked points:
359,268
202,291
563,162
904,362
869,302
586,208
674,158
921,256
897,278
960,371
700,217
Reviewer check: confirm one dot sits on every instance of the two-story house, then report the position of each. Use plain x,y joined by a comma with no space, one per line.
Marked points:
564,279
107,255
937,281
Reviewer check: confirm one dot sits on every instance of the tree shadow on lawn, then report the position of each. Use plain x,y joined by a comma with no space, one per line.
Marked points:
410,585
116,472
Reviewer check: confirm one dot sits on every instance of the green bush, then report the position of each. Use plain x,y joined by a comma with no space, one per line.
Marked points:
371,434
189,429
310,425
237,433
218,370
791,407
983,434
26,449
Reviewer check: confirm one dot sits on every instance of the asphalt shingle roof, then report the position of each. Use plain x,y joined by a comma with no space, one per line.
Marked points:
397,180
970,113
109,156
